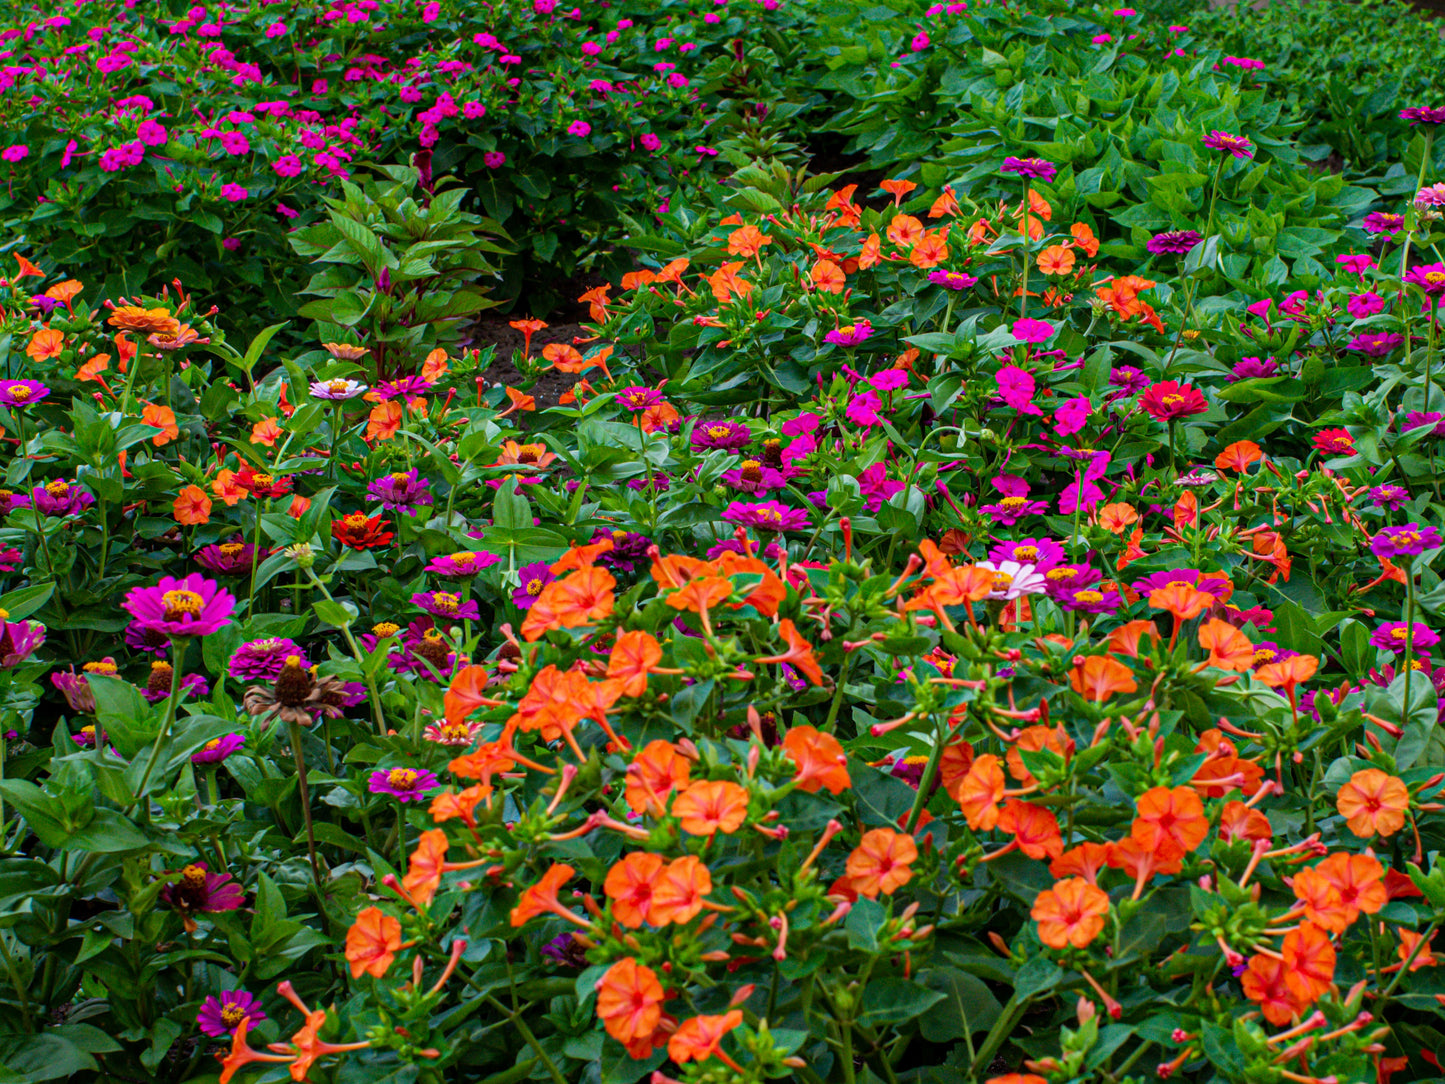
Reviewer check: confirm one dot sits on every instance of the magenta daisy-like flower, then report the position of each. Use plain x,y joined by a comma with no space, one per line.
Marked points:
1253,368
58,498
199,891
1398,637
767,516
849,334
18,641
406,784
223,1015
10,557
1037,169
1175,242
1042,553
462,566
639,397
531,579
1409,540
753,477
446,604
19,393
264,659
218,749
1235,145
228,558
1429,277
1375,344
407,387
952,280
1098,598
401,490
189,606
1384,222
1424,114
721,434
1389,496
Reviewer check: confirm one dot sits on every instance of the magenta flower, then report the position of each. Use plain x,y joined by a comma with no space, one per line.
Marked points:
1015,503
228,558
1383,222
1254,369
18,393
401,490
406,784
190,606
15,152
218,749
1029,330
406,387
223,1015
1409,540
532,578
1397,637
1175,242
461,566
876,487
1097,598
1215,584
1032,168
1424,114
1388,496
1429,277
952,280
1017,386
445,604
18,641
58,498
263,660
10,557
731,435
862,409
1365,304
753,477
1375,344
199,891
767,516
849,334
1235,145
1042,553
639,397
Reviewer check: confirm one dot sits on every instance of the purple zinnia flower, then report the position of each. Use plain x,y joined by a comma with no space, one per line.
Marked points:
753,477
1178,242
407,387
10,557
767,516
1033,168
223,1015
1396,636
1015,503
190,606
564,950
721,434
1375,344
406,784
18,393
446,604
158,686
228,558
1063,579
1424,114
401,491
1418,419
1129,380
1254,368
952,280
1097,598
1267,651
849,334
200,891
462,566
639,397
1042,553
1409,540
1231,144
532,578
629,549
263,660
1383,222
1389,496
58,498
218,749
18,641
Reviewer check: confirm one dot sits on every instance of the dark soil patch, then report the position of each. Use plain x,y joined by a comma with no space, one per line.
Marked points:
496,331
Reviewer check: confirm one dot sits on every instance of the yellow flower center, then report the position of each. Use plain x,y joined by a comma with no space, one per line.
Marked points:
465,560
402,778
1406,538
4,614
1417,664
194,875
1402,634
232,1015
214,743
160,667
262,479
230,549
446,603
179,603
1173,400
718,432
105,666
1434,277
337,386
1002,581
57,488
752,470
355,519
1057,574
1264,654
88,731
1088,596
1012,503
20,393
1026,553
848,329
385,629
534,586
770,514
433,635
400,477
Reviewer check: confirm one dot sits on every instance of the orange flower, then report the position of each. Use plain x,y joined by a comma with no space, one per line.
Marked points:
799,654
267,431
1239,821
164,419
1085,239
1034,828
1056,260
946,204
898,189
582,598
1170,821
1034,739
769,592
1309,961
384,421
655,772
1264,982
1141,862
27,268
92,369
1229,649
931,249
465,694
1181,600
633,656
46,343
425,867
147,321
702,593
372,942
629,886
528,328
298,507
904,230
193,507
434,366
541,897
483,762
1070,913
828,277
1117,517
1084,860
454,805
980,791
1133,551
747,241
871,253
710,806
881,862
564,358
1099,677
1336,891
1128,639
629,1002
632,280
1239,456
726,284
953,766
820,759
658,416
677,895
1424,958
1288,673
700,1037
1373,803
227,488
1186,511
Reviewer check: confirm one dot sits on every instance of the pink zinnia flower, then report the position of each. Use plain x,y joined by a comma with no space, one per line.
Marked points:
1235,145
406,784
768,516
850,334
223,1015
190,606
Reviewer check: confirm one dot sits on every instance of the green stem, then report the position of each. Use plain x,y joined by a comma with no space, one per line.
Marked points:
527,1037
930,771
300,756
20,991
178,656
1024,230
376,712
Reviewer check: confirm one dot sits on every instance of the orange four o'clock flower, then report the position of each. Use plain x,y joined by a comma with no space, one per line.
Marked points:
881,862
1373,803
1072,913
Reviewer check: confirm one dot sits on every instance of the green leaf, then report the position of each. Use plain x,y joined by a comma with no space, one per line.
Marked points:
862,925
968,1006
892,1000
339,615
24,602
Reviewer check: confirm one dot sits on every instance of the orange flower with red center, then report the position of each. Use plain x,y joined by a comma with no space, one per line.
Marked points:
655,772
820,759
711,806
881,863
541,897
1239,821
634,654
1098,677
372,943
1034,828
980,791
1309,962
1229,649
629,886
192,507
629,1004
582,598
1264,983
44,344
1035,739
1373,803
426,866
701,1037
677,893
1085,860
1056,260
1072,913
1170,821
164,419
799,654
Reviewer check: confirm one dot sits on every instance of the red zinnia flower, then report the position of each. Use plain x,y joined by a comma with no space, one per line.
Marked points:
1335,442
360,532
1170,399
